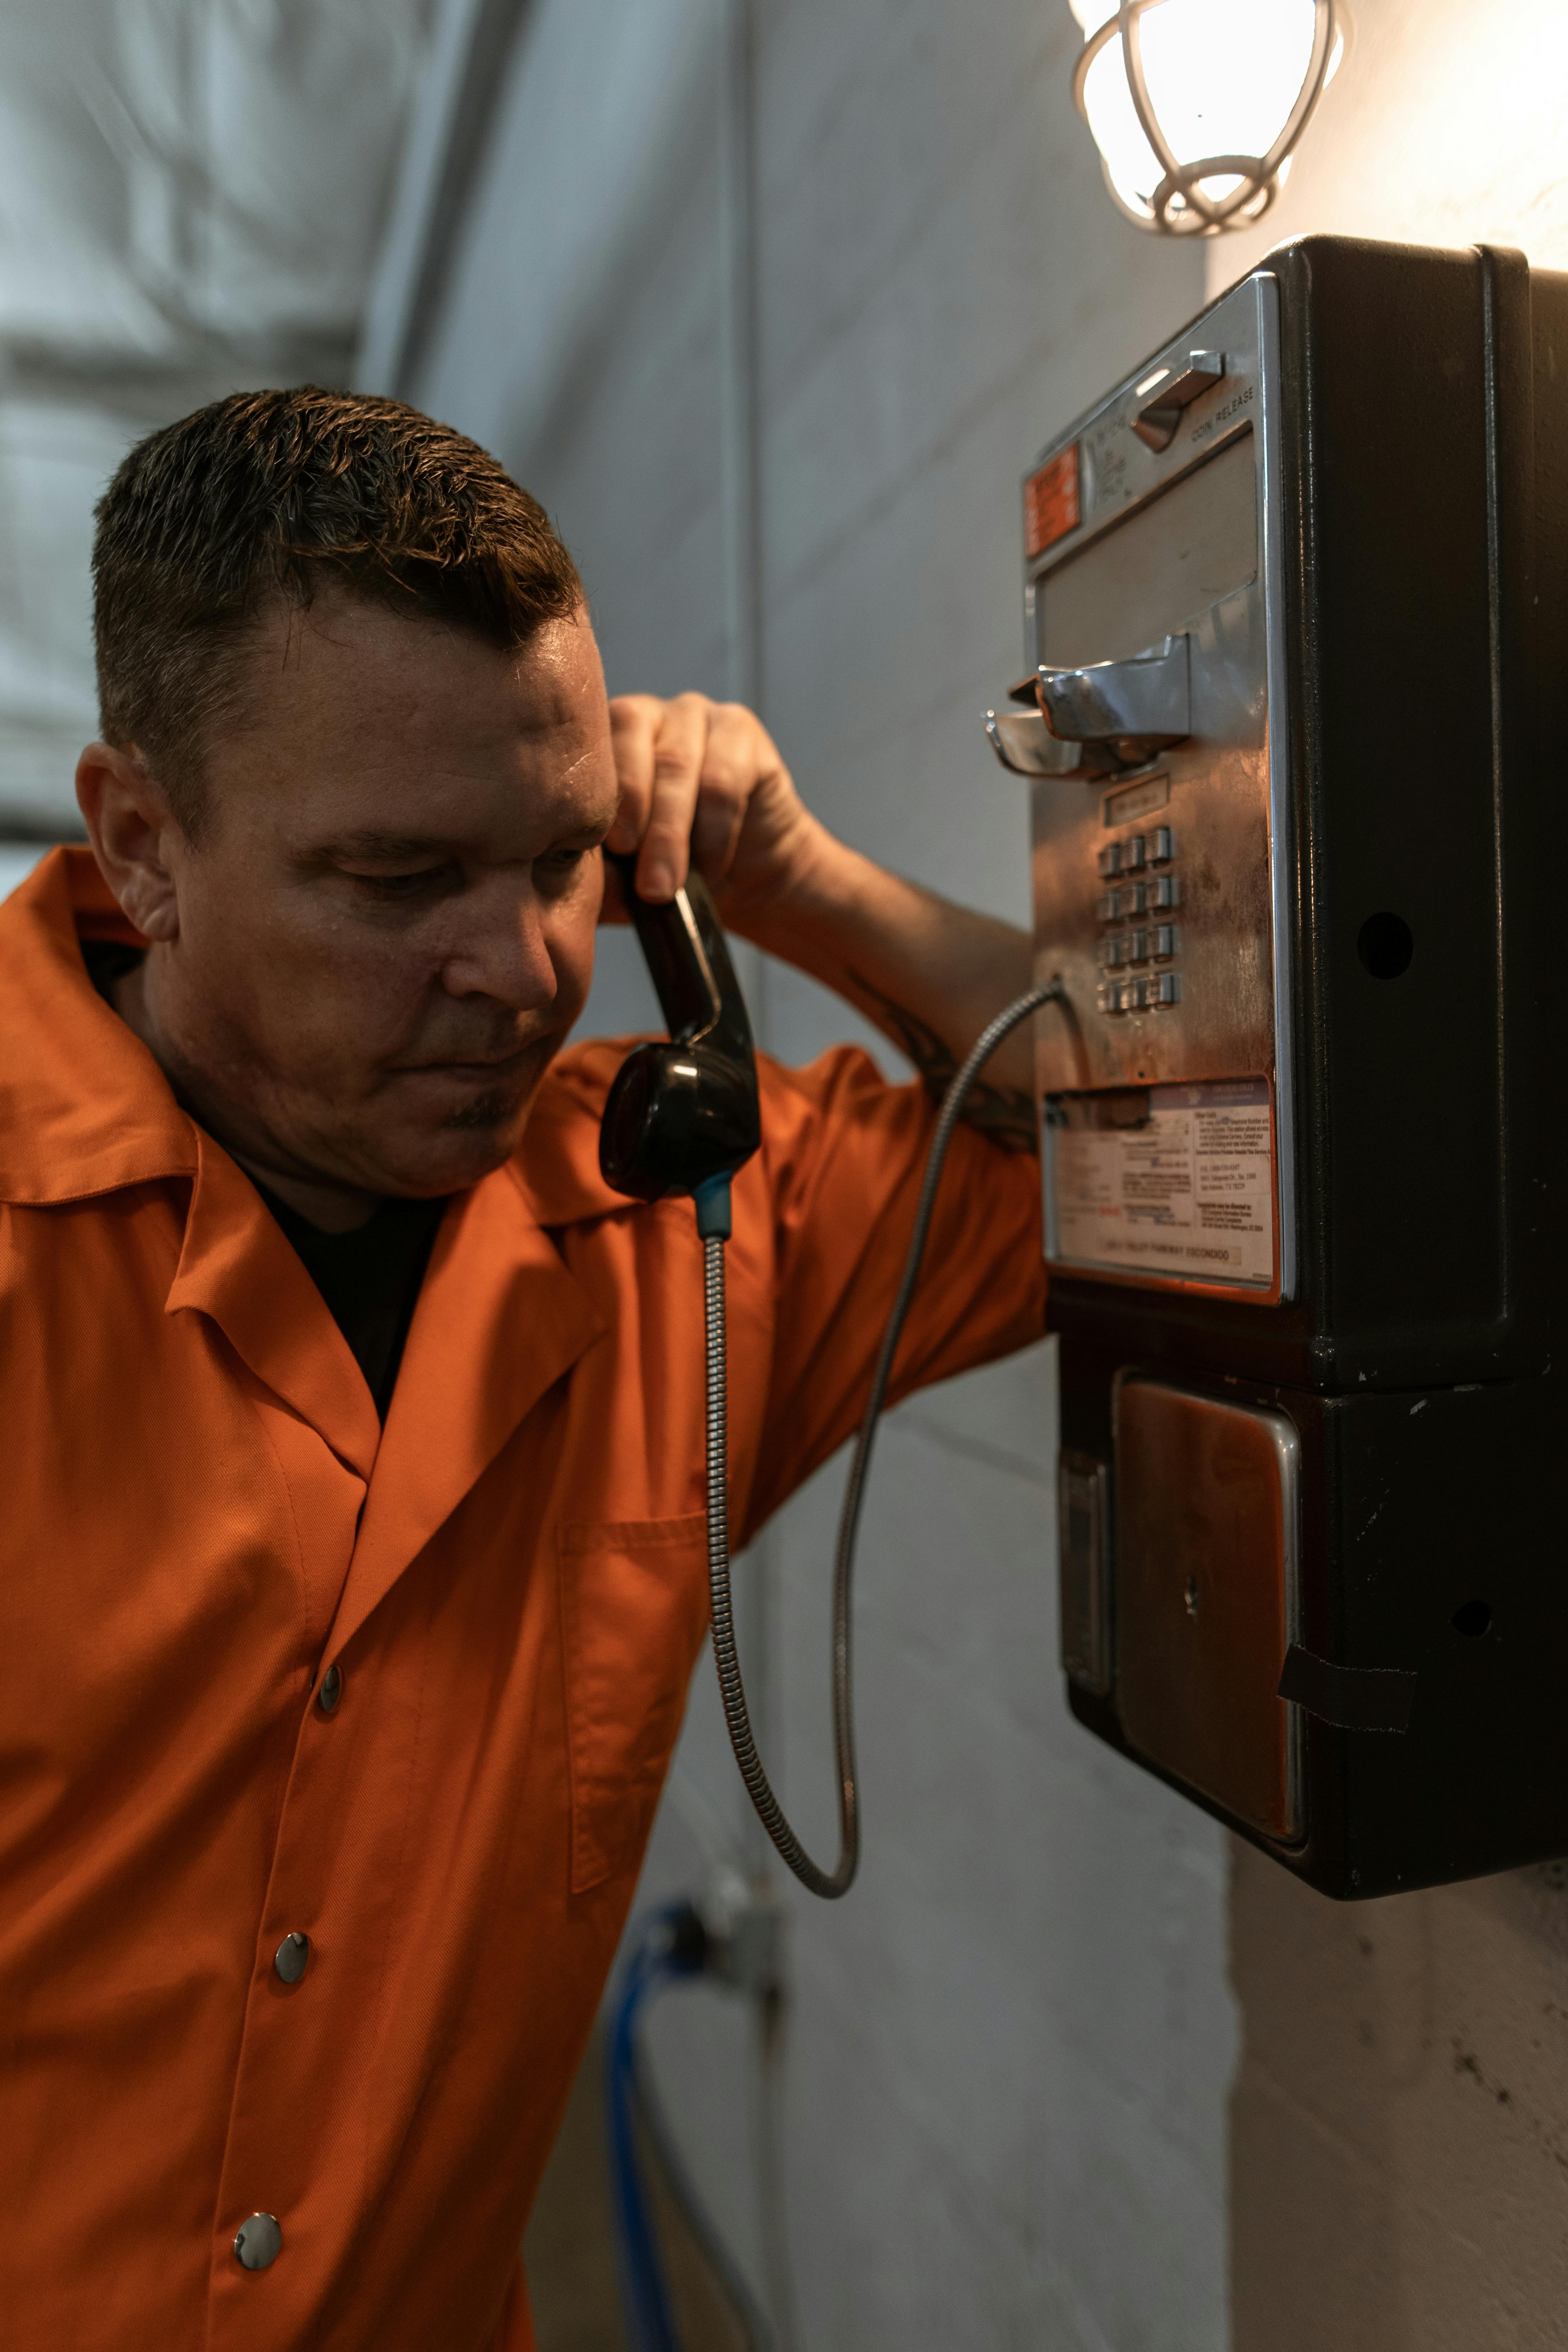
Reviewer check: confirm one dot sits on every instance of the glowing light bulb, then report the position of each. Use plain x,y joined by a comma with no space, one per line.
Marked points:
1196,104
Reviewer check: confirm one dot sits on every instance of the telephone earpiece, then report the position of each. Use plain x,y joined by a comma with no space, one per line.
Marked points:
682,1116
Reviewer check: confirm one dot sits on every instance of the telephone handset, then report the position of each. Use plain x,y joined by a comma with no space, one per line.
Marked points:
683,1116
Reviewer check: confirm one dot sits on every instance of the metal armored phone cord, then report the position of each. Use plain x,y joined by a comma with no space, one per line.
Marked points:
713,1225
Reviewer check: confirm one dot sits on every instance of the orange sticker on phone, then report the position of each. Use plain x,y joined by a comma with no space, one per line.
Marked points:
1050,503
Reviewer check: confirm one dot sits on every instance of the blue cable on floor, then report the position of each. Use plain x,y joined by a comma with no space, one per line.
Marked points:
671,1943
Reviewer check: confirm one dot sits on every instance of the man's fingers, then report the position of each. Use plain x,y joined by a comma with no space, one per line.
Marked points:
680,747
691,772
729,778
715,833
634,725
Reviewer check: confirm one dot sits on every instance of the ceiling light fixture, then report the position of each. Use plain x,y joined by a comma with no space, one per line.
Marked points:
1196,105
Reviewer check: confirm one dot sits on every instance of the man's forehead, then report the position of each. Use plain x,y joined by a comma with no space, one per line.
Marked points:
392,737
346,661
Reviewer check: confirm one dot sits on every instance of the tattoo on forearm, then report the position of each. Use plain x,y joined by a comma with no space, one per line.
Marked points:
1003,1112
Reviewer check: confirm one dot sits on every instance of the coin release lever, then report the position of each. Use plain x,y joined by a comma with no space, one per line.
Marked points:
1156,422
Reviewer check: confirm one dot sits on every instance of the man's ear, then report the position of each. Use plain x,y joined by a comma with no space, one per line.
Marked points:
132,828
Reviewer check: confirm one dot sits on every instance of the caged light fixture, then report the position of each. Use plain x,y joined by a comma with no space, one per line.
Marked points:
1196,105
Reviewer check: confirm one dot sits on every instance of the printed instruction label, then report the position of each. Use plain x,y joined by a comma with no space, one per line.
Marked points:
1051,507
1186,1192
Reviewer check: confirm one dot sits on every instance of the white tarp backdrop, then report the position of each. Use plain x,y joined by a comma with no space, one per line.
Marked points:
192,193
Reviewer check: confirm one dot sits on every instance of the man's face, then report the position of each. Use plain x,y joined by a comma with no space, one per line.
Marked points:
387,925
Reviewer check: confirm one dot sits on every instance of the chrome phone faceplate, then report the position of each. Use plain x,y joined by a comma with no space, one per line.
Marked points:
1174,965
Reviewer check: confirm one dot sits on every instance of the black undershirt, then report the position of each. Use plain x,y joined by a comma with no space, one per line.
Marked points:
370,1278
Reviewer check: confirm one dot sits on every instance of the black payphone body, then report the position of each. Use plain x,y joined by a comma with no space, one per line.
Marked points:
1296,723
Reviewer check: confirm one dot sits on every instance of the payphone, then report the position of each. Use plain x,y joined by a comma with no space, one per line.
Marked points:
1295,723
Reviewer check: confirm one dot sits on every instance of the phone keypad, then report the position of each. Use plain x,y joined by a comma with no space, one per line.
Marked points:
1127,942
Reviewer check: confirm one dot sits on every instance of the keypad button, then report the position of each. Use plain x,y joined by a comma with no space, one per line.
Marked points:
1162,849
1111,858
1166,939
1115,953
1109,905
1166,989
1133,854
1138,899
1167,891
1138,947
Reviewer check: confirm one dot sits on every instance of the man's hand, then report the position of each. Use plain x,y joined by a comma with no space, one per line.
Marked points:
930,974
706,776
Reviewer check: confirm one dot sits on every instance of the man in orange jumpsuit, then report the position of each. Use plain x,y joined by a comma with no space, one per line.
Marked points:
353,1565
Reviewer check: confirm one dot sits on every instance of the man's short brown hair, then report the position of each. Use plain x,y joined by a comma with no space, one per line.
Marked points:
265,496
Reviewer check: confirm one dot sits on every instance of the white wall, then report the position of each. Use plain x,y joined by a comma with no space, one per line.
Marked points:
1399,2153
1010,2049
1445,126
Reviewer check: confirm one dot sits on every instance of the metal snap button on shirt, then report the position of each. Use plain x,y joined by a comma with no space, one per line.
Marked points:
289,1958
259,2241
331,1690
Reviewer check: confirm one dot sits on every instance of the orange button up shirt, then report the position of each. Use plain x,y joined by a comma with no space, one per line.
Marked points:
201,1512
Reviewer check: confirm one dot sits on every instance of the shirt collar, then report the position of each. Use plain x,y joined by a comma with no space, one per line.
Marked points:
84,1108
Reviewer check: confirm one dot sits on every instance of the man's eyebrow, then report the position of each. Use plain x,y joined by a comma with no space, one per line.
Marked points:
387,847
377,847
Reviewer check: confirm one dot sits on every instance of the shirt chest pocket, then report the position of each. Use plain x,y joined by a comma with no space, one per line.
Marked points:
634,1608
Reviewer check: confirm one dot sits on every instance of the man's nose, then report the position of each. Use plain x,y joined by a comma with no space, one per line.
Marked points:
502,951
